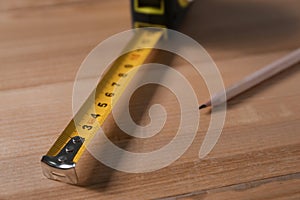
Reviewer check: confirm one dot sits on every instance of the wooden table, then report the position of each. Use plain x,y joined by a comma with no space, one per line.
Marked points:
42,44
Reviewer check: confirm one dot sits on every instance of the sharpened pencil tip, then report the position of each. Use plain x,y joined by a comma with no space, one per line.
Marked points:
202,106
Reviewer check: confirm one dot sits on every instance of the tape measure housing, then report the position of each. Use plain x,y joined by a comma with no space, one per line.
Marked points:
167,13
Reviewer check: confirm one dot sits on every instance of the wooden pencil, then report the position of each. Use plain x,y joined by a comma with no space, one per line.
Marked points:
254,79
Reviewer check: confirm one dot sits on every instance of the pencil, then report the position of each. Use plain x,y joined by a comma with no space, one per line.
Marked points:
254,79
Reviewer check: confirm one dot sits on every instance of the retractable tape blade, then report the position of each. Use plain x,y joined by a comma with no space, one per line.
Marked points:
61,161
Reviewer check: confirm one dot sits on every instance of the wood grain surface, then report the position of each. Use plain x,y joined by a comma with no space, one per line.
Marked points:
42,44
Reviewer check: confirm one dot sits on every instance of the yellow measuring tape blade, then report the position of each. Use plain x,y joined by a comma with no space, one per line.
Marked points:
95,110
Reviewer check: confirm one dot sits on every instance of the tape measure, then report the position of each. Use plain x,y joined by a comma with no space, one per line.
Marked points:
61,160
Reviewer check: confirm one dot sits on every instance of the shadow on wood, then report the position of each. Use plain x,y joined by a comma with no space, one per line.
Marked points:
235,25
